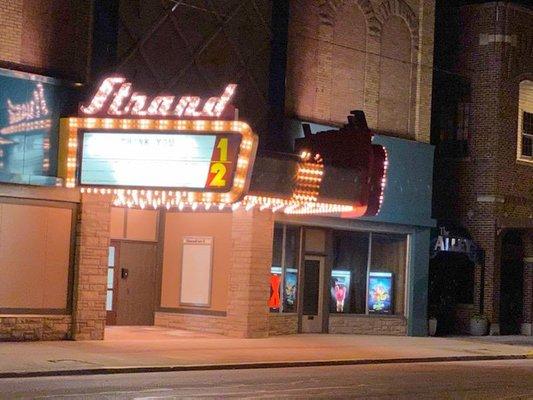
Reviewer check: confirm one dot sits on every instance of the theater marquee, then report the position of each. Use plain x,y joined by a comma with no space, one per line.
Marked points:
194,160
187,157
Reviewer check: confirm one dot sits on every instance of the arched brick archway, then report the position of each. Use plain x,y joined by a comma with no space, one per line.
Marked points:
375,20
399,8
329,8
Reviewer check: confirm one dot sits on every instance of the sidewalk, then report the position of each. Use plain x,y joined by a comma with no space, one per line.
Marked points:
144,349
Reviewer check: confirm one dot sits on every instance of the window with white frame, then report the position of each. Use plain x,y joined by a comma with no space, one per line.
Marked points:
525,122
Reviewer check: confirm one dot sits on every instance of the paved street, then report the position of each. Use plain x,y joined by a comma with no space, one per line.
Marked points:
452,380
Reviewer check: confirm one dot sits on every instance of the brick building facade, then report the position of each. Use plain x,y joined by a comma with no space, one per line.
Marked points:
483,182
373,55
47,36
376,56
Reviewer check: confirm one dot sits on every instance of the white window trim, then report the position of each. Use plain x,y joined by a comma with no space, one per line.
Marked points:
520,158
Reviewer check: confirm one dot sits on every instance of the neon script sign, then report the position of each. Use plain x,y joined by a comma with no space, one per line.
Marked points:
28,116
115,97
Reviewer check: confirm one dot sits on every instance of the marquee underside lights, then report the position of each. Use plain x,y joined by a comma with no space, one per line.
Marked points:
225,172
304,199
180,201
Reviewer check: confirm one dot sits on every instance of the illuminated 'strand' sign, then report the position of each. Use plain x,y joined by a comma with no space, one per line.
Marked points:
115,97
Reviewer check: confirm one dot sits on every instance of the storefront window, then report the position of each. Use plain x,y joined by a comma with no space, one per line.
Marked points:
349,272
290,280
284,270
386,277
359,285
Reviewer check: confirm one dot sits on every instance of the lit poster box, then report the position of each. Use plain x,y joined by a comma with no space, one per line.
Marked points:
340,290
380,296
290,285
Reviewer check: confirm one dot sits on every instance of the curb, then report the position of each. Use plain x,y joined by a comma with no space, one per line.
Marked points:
259,365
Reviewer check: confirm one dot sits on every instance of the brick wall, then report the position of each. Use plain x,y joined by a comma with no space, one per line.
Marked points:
34,327
47,35
282,324
488,191
10,29
356,54
368,325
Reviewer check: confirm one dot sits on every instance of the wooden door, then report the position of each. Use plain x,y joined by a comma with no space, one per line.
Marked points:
135,277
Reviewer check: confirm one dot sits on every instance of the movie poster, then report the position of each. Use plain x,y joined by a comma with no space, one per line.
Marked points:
380,300
340,291
274,302
289,290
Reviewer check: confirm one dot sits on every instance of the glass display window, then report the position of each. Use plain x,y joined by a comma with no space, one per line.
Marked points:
388,260
368,273
284,269
349,272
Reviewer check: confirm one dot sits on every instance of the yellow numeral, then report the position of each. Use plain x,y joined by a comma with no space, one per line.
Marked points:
223,147
219,170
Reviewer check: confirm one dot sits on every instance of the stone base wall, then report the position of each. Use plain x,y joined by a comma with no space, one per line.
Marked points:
282,324
192,322
368,325
34,327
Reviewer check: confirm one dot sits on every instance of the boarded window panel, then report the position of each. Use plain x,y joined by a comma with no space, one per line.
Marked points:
315,240
34,256
22,254
57,257
196,270
117,222
141,225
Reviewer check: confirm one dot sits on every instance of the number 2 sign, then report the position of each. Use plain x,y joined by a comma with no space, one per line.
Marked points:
223,161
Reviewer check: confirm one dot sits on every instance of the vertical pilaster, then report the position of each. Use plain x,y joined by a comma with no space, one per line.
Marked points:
372,70
92,244
418,283
527,314
247,310
527,322
424,73
324,61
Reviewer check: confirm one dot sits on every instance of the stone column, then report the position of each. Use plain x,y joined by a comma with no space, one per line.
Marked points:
90,279
248,288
